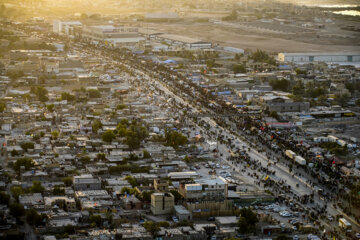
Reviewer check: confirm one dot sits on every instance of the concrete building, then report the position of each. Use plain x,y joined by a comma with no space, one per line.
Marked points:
182,213
288,106
339,57
162,203
161,185
86,182
66,28
209,189
116,36
184,42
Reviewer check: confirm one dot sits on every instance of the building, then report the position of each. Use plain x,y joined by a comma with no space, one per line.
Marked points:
67,203
205,190
130,202
86,182
182,213
162,203
227,221
116,36
184,42
339,57
161,185
161,16
288,106
34,200
66,28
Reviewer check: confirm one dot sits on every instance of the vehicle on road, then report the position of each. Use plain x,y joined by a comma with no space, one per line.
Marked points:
345,225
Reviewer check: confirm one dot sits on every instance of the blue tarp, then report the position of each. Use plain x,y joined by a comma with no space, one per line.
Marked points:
285,67
169,61
224,93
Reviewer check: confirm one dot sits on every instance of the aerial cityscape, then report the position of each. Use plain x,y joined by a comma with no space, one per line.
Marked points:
179,119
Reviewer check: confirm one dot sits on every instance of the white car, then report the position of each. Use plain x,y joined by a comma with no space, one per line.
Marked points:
285,214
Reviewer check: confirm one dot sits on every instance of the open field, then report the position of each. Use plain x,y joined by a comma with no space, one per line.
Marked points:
246,40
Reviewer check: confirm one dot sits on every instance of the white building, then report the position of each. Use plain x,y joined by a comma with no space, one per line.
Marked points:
61,27
183,42
339,57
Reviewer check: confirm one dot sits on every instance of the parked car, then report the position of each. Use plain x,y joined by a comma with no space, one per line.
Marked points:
175,219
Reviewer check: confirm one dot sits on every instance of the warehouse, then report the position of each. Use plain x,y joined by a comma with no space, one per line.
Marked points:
320,57
183,41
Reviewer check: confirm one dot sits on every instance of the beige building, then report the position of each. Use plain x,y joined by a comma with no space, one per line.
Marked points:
162,203
161,185
205,190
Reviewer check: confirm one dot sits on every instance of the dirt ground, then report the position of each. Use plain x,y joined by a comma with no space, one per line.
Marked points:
236,38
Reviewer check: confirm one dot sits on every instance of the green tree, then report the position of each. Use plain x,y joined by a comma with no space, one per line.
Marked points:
146,154
26,162
126,190
96,125
298,88
16,191
274,114
36,187
41,93
239,68
35,219
262,56
108,136
164,224
342,99
4,198
131,180
358,102
50,107
85,159
67,181
299,71
2,107
132,140
27,145
247,221
120,107
151,227
281,84
101,156
95,219
14,153
94,93
57,191
146,196
14,74
67,96
282,237
17,210
55,134
176,195
175,139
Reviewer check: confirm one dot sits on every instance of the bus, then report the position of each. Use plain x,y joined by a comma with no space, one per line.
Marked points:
345,225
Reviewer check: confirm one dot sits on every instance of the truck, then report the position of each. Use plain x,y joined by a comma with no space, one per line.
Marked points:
300,160
345,225
290,154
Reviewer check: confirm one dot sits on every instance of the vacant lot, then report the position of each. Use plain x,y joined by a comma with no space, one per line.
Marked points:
238,38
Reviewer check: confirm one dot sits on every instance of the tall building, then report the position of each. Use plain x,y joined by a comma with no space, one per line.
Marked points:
162,203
